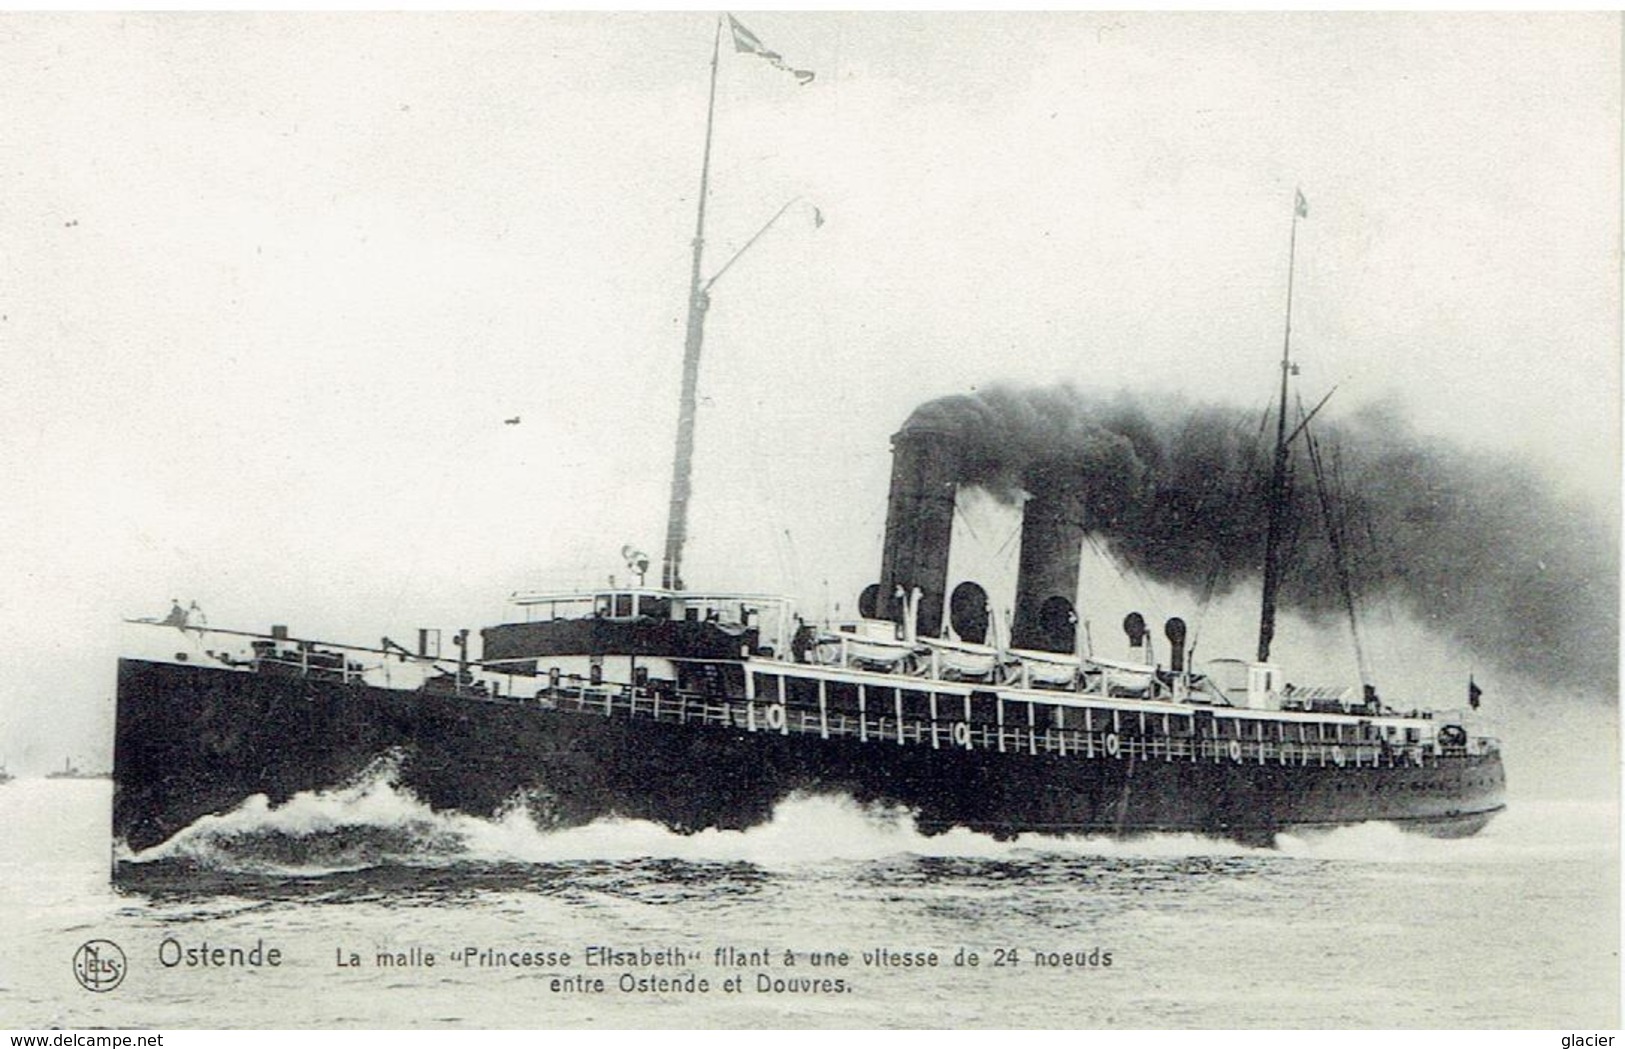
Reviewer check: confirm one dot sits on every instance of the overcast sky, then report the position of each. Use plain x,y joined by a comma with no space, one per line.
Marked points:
271,285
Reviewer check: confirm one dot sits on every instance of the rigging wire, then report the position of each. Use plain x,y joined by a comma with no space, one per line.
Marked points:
1381,574
1009,548
1244,488
1134,580
997,563
1336,538
964,519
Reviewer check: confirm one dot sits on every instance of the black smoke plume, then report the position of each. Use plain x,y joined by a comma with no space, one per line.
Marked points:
1477,547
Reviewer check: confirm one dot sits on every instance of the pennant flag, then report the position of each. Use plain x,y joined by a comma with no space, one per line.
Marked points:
818,217
747,41
1301,205
1473,692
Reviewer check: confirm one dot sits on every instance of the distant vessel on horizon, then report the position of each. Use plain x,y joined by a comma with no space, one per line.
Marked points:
71,771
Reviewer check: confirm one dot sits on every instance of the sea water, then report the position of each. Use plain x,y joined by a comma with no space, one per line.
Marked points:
384,914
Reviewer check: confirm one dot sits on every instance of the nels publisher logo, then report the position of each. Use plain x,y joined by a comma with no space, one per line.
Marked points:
99,965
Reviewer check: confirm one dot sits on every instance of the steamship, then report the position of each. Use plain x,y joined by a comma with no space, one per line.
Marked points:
699,709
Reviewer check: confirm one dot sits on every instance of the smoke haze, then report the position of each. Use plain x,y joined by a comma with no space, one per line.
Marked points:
1482,549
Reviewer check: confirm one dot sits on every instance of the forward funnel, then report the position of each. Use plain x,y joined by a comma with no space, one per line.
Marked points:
919,523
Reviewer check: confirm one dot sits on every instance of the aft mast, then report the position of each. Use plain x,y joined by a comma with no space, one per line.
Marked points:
1278,475
671,571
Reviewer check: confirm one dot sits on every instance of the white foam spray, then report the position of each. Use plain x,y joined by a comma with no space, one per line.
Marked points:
374,822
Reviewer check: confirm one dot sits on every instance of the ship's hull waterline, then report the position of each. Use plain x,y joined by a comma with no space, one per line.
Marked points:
194,740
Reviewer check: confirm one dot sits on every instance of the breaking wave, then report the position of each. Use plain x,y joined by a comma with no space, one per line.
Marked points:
374,823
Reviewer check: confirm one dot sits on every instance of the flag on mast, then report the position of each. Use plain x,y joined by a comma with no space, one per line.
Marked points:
1301,205
1473,692
748,42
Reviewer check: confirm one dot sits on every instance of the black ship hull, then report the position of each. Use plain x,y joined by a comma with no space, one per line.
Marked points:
193,740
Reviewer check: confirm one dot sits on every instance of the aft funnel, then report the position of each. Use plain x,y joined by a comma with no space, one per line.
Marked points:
1052,530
